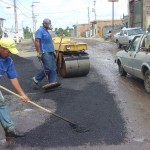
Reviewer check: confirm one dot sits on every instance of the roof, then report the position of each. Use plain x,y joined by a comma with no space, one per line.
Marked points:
2,19
131,28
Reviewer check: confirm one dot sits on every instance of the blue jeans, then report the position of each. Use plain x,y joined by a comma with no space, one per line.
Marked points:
5,118
49,65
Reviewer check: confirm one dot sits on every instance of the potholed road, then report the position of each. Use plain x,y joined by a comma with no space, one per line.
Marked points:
114,108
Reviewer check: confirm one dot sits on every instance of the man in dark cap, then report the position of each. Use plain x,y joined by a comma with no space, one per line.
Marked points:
45,52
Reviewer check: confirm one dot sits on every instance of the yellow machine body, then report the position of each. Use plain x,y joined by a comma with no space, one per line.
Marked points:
68,45
71,58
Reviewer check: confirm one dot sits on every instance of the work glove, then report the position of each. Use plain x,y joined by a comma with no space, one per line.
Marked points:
39,56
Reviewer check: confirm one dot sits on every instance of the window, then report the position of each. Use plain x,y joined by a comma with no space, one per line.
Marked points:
121,32
134,43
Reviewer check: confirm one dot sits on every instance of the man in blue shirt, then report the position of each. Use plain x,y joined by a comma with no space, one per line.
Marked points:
45,52
7,47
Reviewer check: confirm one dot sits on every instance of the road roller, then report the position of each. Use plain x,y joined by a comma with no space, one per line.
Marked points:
71,57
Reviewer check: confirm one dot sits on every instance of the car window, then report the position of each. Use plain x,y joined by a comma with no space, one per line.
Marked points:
135,32
146,42
125,32
121,32
134,44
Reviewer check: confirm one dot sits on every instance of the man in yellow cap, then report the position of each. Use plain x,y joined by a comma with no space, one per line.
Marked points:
7,47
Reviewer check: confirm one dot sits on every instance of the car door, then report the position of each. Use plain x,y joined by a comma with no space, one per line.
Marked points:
133,66
125,38
140,57
121,37
131,52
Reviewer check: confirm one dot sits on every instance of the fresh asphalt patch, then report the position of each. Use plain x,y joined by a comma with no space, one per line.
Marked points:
93,107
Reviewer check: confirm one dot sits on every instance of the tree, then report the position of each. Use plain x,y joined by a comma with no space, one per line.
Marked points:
65,32
27,33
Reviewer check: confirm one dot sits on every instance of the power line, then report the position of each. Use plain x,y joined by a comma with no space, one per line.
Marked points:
23,13
17,7
63,11
6,3
2,5
24,6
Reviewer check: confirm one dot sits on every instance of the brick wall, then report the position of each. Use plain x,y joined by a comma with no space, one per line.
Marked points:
82,28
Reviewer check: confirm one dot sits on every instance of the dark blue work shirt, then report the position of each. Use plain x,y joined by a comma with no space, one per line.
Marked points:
46,43
7,66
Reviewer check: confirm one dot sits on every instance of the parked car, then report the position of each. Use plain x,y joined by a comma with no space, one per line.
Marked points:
15,39
115,36
108,35
127,35
135,60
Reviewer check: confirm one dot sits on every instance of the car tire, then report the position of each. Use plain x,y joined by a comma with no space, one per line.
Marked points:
147,81
122,72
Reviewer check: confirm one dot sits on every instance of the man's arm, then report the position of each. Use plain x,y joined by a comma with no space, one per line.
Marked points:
37,45
38,49
19,90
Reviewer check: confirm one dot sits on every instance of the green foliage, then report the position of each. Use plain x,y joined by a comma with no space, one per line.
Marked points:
61,31
27,33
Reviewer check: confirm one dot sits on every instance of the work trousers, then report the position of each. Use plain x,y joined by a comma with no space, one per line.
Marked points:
5,118
49,65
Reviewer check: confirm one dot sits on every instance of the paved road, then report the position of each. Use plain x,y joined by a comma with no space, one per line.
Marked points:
101,101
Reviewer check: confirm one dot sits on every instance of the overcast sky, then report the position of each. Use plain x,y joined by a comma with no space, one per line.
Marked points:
62,13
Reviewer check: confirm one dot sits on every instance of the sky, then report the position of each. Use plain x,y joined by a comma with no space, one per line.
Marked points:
62,13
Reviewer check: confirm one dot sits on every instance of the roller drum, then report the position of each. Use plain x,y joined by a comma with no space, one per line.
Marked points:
74,66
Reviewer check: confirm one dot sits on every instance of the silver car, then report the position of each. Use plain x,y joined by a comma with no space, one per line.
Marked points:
127,35
135,60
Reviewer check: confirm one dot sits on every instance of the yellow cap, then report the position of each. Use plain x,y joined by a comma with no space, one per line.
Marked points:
9,44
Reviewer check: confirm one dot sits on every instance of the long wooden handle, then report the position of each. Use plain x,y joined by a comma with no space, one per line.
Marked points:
28,101
60,42
2,87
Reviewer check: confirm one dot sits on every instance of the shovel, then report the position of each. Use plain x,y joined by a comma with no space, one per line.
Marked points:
75,126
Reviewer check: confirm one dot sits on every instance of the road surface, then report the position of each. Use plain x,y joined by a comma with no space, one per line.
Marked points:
114,108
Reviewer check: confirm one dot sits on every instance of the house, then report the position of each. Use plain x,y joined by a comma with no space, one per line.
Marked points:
139,13
6,32
96,28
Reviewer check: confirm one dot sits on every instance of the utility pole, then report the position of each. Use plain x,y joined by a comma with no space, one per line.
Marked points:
112,16
33,20
89,22
33,30
22,30
94,10
16,22
113,12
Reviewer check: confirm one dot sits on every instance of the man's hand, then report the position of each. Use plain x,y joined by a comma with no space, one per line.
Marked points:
39,55
25,98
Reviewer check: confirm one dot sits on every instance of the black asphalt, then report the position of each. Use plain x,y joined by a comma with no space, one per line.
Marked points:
93,107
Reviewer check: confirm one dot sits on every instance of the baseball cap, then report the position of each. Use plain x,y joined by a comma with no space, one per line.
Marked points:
46,20
9,44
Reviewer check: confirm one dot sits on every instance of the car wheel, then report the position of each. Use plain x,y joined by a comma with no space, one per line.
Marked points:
122,72
147,81
118,44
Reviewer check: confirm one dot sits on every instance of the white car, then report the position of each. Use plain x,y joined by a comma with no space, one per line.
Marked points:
135,60
108,35
115,36
15,39
127,35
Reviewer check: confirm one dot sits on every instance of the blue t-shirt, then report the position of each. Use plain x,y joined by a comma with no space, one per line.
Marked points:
46,43
7,66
